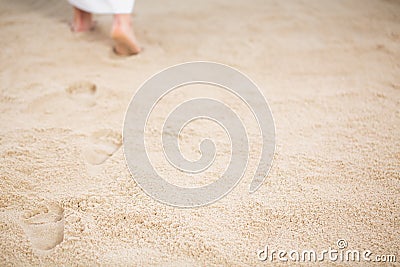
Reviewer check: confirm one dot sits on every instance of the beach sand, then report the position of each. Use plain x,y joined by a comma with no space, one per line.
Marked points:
330,71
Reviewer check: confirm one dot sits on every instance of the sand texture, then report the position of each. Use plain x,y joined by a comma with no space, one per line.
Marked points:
330,71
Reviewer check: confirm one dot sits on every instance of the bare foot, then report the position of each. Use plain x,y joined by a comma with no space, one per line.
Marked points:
82,21
122,33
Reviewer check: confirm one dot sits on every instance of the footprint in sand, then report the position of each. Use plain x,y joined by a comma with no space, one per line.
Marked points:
103,144
79,93
83,92
44,226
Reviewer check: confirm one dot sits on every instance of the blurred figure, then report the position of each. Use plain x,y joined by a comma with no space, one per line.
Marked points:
122,28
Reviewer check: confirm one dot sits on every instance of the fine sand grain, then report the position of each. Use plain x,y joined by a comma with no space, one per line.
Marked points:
330,71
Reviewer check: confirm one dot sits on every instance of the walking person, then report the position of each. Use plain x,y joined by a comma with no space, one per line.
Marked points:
122,29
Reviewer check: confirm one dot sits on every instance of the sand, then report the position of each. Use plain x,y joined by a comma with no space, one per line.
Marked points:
330,71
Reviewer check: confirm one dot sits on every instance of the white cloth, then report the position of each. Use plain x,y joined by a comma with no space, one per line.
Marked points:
104,6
